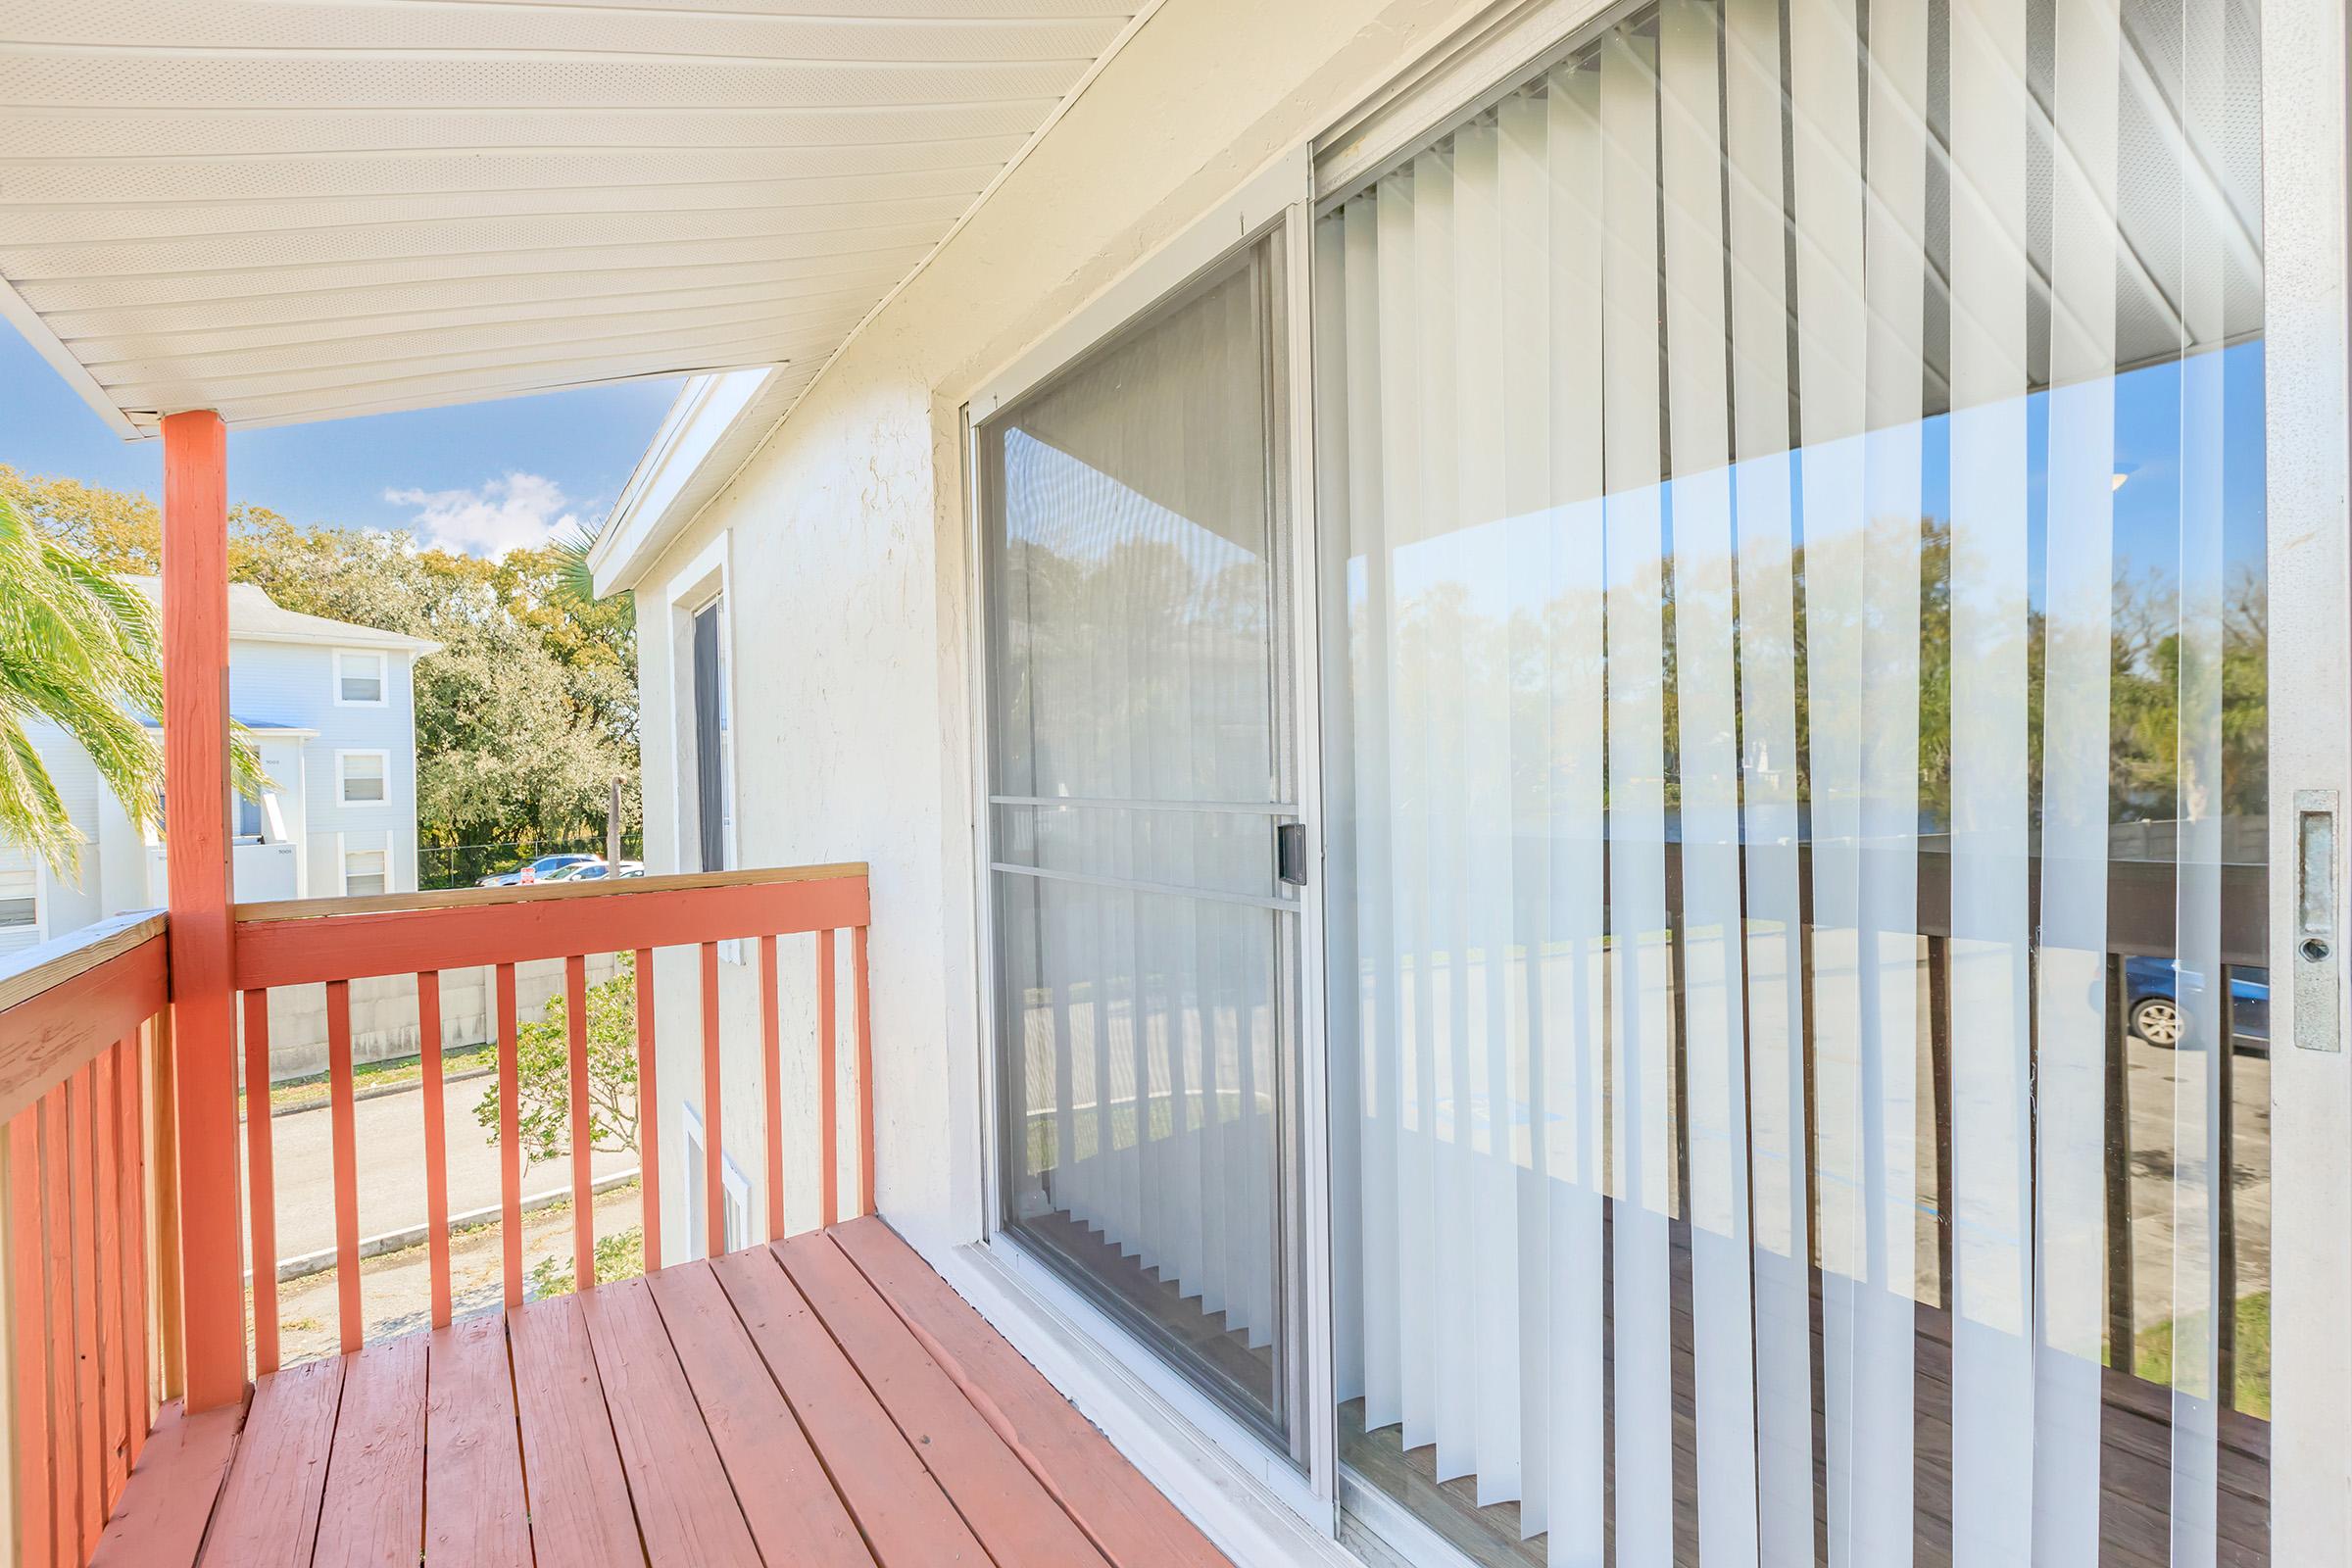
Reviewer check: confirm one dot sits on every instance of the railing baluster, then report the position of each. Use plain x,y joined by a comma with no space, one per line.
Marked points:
828,1130
509,1140
865,1072
436,1141
106,1204
135,1238
89,1417
583,1180
58,1286
714,1187
648,1112
163,1098
771,1070
260,1188
31,1346
347,1165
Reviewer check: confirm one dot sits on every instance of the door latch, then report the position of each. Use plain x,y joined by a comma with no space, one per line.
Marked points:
1290,853
2316,958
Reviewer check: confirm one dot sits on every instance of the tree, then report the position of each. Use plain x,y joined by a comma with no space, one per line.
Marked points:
543,1074
80,651
523,722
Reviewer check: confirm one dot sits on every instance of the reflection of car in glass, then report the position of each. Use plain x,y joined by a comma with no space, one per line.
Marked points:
2152,1005
538,871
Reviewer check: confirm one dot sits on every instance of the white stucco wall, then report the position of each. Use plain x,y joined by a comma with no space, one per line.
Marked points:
846,540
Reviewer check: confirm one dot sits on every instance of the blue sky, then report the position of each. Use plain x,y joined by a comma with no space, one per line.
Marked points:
481,477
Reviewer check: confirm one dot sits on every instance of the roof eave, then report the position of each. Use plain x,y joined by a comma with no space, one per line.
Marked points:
661,496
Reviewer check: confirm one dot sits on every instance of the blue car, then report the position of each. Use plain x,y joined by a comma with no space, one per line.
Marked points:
2152,1006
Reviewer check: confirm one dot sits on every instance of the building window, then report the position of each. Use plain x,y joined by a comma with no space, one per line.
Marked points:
359,777
360,680
365,872
738,1188
711,734
20,901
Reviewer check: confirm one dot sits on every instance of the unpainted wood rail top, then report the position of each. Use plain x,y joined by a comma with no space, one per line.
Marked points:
542,892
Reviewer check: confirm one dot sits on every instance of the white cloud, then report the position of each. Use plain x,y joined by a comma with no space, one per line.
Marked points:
501,515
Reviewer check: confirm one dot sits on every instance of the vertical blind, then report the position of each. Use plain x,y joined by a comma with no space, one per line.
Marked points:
1136,774
1792,520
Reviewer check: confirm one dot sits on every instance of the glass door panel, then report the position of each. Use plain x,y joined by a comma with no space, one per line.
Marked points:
1140,765
1793,484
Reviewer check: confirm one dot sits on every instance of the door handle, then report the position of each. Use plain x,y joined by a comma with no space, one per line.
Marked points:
1290,853
2316,957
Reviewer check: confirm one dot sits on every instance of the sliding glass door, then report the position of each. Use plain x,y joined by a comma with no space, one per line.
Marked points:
1792,544
1140,766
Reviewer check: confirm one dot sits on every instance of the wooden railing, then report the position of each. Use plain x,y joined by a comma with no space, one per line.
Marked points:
91,1252
335,942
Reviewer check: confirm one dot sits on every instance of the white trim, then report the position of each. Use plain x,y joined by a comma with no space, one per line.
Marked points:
706,579
40,875
383,676
641,524
343,778
46,343
2306,402
1127,1395
1239,219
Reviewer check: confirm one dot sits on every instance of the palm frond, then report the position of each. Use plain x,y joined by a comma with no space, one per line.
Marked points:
574,578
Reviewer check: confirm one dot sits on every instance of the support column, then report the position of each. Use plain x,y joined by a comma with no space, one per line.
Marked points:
196,776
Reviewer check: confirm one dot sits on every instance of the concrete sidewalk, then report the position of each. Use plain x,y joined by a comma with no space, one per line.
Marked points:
391,1166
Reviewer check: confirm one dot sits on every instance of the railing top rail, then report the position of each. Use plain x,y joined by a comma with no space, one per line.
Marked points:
321,940
66,1000
25,975
540,893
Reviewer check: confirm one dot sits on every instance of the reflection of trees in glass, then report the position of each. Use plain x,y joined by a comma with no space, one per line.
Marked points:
1445,645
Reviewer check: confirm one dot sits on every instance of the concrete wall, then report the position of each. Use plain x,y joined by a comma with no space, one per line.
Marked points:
845,538
384,1014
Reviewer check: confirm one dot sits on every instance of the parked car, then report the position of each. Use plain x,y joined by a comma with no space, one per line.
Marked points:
600,871
579,870
2152,1006
538,871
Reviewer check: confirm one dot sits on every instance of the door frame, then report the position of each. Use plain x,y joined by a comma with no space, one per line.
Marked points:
1277,198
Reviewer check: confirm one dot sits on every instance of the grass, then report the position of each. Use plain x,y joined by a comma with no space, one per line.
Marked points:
2152,1353
312,1090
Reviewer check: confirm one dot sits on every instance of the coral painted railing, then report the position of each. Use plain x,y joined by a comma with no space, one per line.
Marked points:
90,1252
335,942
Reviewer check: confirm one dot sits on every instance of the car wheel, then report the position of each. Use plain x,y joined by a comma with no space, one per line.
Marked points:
2160,1022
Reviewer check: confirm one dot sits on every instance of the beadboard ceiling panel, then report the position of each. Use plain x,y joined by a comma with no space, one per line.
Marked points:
293,209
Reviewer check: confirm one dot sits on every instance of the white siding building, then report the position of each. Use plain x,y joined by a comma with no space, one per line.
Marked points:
332,708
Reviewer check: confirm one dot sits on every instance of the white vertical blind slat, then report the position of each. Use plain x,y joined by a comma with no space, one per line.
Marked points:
1698,405
2071,1023
1639,979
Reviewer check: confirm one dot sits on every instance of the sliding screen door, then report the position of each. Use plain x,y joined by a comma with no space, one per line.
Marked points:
1793,481
1146,947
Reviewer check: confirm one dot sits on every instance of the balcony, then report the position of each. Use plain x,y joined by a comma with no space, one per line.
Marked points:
822,1397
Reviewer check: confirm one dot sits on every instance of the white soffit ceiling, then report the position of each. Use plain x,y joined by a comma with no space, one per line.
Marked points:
296,209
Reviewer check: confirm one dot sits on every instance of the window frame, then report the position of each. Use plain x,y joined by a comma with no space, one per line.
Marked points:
345,850
39,923
343,776
383,677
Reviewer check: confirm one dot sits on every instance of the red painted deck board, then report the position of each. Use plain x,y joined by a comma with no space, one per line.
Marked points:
1123,1514
373,1513
791,1507
712,1414
474,1513
686,1509
269,1511
160,1521
580,1511
904,1515
1013,1516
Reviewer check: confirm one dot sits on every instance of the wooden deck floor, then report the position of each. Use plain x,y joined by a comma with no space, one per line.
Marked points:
825,1401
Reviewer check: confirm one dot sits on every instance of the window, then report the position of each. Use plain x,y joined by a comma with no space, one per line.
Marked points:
360,680
738,1188
20,901
359,777
365,872
249,817
1794,529
710,792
